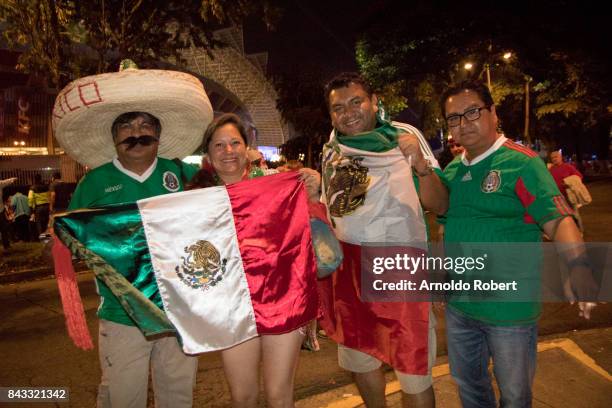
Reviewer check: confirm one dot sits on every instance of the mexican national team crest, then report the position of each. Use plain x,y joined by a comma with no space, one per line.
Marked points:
202,267
171,181
491,182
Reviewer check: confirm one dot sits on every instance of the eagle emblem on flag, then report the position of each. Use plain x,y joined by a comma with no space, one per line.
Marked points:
202,267
347,186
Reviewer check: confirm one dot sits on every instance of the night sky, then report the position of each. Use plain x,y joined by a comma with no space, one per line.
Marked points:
319,32
320,36
324,32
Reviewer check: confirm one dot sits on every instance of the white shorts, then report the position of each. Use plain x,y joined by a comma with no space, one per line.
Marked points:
358,362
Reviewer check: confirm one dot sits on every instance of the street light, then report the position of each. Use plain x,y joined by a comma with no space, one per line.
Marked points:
468,67
487,68
506,56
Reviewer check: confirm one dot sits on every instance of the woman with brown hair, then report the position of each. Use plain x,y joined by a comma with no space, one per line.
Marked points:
226,162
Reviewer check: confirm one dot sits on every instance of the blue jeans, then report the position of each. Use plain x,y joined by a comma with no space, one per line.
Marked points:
513,349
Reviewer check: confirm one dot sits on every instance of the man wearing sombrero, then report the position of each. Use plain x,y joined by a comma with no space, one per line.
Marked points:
127,127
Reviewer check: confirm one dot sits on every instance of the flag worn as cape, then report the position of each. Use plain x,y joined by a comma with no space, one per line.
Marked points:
371,198
231,262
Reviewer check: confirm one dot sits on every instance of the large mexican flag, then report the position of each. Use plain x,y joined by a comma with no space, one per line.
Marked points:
231,262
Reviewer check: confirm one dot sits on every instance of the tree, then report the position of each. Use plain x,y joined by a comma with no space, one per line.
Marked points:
574,103
412,54
302,103
410,65
35,27
67,38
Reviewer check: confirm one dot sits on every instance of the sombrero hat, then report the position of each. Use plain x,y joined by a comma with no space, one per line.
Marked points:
85,109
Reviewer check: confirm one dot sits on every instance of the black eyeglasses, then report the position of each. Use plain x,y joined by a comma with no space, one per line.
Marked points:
470,114
132,141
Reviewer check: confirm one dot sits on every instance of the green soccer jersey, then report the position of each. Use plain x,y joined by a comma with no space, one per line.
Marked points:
109,184
505,195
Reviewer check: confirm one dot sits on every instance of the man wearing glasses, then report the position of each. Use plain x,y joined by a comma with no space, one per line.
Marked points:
500,191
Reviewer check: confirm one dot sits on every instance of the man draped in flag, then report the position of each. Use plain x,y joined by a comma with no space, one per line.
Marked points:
128,126
372,196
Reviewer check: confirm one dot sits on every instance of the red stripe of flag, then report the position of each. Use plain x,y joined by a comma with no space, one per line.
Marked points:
393,332
276,251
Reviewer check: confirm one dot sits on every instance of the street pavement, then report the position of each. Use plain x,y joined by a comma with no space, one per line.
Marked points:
36,351
574,358
567,376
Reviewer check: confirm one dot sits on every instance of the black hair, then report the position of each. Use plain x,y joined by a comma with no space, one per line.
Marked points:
127,117
478,87
343,80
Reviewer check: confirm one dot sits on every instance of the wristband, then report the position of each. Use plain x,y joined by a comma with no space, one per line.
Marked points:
429,170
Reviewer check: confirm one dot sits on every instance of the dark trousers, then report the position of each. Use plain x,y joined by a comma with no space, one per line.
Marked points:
4,230
42,218
22,228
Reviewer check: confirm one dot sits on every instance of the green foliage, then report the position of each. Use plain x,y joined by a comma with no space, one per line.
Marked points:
234,11
411,57
36,26
574,87
391,95
400,68
65,39
383,77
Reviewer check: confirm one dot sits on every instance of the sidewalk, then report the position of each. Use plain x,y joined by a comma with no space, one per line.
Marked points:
35,273
573,371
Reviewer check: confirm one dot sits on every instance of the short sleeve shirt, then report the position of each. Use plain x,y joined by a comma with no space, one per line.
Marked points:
505,195
108,184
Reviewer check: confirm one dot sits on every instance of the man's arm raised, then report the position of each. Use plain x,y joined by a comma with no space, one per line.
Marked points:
433,193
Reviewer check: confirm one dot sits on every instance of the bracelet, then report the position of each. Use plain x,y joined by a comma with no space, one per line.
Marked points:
429,170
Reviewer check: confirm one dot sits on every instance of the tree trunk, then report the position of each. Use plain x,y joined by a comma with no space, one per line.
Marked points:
526,129
57,42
